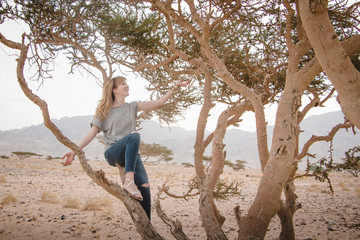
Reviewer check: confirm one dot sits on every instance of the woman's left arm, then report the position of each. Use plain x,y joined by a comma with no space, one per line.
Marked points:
152,105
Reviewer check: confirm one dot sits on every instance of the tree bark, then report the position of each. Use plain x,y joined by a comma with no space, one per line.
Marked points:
211,218
279,167
288,209
199,146
332,57
175,226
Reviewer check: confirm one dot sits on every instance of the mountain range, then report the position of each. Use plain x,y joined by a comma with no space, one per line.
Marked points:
240,145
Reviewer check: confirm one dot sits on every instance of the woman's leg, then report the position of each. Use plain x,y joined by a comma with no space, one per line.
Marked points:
125,152
131,152
142,181
146,202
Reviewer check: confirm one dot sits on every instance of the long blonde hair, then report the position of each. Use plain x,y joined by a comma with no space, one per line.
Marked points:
108,97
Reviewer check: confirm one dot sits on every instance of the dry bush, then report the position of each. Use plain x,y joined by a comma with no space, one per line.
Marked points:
71,203
49,197
341,184
2,179
68,170
313,188
8,199
344,186
36,167
357,191
97,204
325,191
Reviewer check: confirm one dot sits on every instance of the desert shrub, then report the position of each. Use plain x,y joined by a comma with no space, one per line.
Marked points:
351,162
2,179
52,158
8,199
357,191
4,157
96,204
222,189
321,169
188,165
71,203
49,197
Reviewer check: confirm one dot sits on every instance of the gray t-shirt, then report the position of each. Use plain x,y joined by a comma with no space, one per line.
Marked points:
119,122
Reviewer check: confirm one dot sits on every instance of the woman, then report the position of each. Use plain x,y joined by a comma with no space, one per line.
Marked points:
117,120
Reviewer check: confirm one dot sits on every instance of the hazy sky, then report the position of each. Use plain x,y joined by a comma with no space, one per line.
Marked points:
78,95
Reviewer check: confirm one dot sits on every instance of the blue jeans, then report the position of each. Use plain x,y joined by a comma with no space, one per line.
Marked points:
125,152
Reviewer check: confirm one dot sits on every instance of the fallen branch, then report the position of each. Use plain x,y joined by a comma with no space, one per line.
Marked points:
175,226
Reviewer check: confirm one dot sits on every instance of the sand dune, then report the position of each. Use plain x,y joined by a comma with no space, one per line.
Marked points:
41,199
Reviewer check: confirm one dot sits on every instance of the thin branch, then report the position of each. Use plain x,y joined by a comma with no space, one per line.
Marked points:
326,138
175,226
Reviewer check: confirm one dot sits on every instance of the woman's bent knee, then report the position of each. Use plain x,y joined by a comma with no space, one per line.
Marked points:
145,185
135,135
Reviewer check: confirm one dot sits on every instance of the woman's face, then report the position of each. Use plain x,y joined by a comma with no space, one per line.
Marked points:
121,88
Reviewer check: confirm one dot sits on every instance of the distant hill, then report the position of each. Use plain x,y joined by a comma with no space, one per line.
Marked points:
240,145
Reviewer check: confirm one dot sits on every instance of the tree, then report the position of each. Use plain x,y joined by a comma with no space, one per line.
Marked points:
239,165
155,150
23,155
280,163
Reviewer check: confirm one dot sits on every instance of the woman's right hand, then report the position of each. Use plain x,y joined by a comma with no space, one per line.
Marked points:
69,157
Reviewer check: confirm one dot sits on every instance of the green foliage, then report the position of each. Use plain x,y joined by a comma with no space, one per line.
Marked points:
222,190
5,9
321,169
155,150
52,158
239,165
188,165
23,155
250,42
133,32
228,163
351,162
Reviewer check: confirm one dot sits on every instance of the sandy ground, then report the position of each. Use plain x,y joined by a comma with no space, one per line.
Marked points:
41,199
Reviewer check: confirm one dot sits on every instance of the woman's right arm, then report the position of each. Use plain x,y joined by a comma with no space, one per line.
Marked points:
69,157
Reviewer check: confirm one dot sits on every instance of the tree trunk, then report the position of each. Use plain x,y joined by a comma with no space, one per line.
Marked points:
210,215
211,218
278,169
287,211
332,57
199,146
